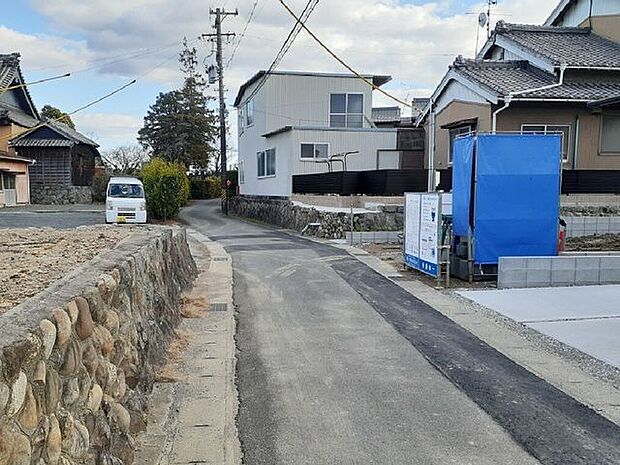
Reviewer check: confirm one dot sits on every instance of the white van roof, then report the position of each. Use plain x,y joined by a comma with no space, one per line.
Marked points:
124,180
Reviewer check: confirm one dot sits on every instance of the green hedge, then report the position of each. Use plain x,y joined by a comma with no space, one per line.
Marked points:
205,187
166,186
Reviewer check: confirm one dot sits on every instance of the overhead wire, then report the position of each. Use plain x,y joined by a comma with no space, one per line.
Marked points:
341,61
242,35
40,81
290,38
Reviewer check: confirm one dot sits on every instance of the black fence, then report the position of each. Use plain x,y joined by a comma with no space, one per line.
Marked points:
396,182
590,182
378,182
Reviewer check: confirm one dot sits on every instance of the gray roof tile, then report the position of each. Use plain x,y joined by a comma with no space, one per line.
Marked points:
574,46
504,77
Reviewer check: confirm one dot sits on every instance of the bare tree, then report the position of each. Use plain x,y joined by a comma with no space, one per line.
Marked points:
125,159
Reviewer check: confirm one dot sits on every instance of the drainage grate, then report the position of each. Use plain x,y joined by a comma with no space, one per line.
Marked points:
220,259
219,307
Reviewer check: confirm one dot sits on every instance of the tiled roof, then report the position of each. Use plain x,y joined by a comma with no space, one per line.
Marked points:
67,137
43,143
17,116
504,77
385,114
9,72
574,46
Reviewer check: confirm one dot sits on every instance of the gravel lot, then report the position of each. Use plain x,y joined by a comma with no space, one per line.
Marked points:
33,258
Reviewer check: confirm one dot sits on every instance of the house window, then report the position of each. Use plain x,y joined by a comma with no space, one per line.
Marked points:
562,129
241,120
314,151
346,111
241,172
266,163
454,133
610,133
249,113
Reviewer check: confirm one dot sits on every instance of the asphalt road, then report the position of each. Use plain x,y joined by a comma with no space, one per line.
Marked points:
52,216
339,365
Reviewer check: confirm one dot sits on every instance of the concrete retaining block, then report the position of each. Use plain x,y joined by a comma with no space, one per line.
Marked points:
577,226
564,270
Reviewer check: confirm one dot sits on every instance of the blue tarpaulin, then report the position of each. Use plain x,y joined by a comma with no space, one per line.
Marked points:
462,166
516,204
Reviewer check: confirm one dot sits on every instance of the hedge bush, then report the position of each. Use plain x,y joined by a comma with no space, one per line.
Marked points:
205,187
166,186
100,186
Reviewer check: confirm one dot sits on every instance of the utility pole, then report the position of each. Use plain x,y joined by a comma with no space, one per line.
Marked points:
220,14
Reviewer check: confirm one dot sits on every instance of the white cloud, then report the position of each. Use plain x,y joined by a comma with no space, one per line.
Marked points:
108,129
413,43
41,51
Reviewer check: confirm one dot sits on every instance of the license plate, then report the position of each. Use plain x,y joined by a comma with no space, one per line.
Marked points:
121,219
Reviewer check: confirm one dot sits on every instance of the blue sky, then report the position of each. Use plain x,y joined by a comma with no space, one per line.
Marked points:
413,40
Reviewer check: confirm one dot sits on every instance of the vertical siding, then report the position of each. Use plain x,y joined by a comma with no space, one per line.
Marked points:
579,13
293,100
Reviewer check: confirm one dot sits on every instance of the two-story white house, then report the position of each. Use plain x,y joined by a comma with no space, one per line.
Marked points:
296,120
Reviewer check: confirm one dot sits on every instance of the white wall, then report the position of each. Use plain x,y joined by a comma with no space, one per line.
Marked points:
293,100
278,185
367,142
579,13
457,91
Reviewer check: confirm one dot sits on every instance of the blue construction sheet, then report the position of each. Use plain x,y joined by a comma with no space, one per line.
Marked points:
462,166
516,205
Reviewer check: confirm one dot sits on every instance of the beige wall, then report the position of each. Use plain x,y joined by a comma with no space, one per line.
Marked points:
607,26
22,181
7,132
589,131
455,111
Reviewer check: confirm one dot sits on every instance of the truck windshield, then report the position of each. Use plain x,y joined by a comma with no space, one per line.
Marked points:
128,191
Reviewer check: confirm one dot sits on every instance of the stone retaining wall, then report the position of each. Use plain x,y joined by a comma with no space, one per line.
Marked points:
77,360
334,225
60,195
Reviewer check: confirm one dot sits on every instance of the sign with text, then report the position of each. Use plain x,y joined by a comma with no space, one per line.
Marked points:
422,225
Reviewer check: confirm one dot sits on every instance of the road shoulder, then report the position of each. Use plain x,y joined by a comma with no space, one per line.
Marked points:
193,410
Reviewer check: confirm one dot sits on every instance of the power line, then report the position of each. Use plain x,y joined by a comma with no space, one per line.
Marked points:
290,38
245,28
40,81
342,62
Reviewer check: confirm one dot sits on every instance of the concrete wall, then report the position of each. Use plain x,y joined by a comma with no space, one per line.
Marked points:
577,226
78,359
573,270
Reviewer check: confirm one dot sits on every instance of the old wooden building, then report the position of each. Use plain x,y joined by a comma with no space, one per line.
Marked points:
64,163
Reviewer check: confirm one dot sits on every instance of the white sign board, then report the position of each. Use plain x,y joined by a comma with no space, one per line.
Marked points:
422,229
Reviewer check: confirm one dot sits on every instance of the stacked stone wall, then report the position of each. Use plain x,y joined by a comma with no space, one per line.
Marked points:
78,360
334,225
60,195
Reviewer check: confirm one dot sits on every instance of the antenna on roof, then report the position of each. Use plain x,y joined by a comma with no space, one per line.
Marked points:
490,3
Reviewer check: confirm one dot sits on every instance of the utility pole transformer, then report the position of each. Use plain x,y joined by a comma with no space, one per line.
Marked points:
220,14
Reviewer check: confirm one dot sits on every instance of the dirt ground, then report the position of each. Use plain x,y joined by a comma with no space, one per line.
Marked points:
33,258
603,242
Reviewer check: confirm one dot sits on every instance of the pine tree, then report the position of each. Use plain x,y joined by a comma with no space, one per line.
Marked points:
180,126
52,113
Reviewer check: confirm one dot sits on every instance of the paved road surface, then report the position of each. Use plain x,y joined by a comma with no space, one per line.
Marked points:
51,216
338,365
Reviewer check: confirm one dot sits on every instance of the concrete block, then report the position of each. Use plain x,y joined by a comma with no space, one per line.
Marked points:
512,278
609,276
563,263
381,236
563,277
590,220
587,270
512,262
538,278
539,264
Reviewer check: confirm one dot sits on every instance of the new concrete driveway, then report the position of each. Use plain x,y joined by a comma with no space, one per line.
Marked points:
52,216
339,365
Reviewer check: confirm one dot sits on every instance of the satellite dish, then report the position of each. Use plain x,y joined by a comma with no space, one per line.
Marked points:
482,19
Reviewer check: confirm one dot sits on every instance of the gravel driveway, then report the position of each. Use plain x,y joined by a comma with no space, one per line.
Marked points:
52,216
